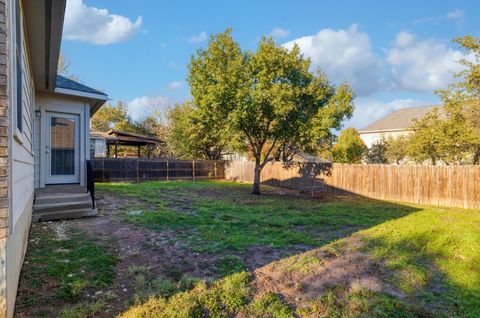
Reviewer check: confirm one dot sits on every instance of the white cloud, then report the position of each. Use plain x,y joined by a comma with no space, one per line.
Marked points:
404,39
279,33
422,65
175,85
455,14
97,26
202,37
344,55
144,106
368,110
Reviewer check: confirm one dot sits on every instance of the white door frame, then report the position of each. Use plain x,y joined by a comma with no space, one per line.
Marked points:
61,179
55,104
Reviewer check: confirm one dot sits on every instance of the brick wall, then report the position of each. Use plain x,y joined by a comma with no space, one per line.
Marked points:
4,161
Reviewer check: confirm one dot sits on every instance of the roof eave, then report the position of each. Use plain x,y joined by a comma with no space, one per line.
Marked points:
44,22
96,100
383,130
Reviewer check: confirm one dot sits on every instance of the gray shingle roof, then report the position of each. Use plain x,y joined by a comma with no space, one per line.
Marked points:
399,120
66,83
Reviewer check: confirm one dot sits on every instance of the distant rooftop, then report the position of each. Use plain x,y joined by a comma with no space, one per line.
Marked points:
399,120
66,83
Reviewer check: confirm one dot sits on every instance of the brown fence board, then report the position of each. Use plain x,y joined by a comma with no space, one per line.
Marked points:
139,169
450,186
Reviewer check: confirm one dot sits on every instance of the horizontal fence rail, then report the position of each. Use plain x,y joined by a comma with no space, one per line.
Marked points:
449,186
138,169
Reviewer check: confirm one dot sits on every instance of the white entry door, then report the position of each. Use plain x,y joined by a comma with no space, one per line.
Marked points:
62,148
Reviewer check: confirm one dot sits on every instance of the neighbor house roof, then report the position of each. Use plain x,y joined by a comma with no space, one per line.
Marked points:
67,83
398,120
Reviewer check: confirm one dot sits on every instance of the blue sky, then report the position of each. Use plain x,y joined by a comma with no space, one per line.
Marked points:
393,53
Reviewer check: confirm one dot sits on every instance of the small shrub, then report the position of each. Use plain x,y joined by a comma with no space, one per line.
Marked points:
268,306
222,298
82,310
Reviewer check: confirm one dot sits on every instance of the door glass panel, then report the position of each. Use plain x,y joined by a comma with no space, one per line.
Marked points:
62,146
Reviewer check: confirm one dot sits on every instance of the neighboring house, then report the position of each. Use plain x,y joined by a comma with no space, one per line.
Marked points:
44,132
396,124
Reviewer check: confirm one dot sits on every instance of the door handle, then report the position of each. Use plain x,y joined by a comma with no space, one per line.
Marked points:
47,151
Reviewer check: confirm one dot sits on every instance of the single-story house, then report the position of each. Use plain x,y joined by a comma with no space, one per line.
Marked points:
105,144
393,125
44,132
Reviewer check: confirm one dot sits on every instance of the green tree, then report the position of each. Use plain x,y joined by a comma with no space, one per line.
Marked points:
349,148
268,98
190,138
462,99
426,142
453,134
112,117
443,136
377,154
397,148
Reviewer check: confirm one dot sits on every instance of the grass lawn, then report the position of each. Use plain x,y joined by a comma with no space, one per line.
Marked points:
210,249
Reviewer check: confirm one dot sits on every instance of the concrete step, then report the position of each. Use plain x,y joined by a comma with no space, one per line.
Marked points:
61,197
52,189
62,202
64,214
82,203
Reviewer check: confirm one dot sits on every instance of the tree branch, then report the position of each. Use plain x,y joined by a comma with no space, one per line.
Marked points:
266,160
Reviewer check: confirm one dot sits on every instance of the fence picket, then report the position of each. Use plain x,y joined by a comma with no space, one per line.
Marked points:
450,186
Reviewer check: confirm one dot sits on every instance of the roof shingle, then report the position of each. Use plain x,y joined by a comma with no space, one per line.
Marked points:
399,120
66,83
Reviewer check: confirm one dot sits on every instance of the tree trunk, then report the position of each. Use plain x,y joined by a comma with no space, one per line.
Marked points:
256,178
476,157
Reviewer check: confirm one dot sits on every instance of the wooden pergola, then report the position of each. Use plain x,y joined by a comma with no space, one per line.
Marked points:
116,138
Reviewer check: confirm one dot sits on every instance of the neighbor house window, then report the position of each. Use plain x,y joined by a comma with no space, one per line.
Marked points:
18,62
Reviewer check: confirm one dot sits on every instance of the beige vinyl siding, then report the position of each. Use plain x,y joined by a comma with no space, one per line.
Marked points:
22,152
369,138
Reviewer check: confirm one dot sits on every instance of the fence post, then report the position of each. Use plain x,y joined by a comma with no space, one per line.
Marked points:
126,169
193,170
138,177
103,170
215,167
167,170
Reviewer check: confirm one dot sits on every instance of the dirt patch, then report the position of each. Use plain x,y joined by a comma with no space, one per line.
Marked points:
304,277
259,255
110,204
162,252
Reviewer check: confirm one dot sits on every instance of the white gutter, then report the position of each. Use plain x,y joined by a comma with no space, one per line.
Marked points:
72,92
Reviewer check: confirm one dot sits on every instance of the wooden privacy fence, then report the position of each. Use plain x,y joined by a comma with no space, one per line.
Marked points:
450,186
138,169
